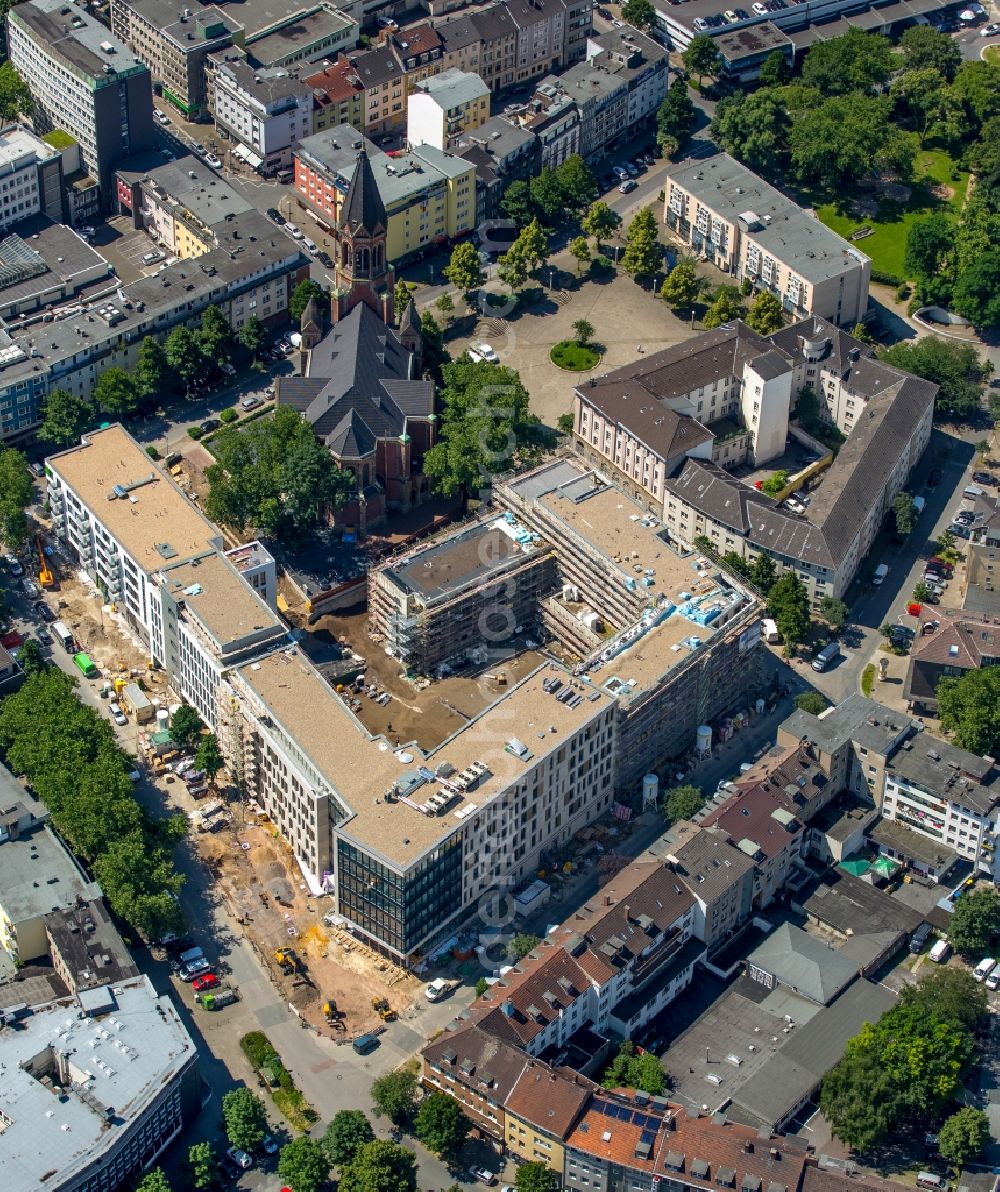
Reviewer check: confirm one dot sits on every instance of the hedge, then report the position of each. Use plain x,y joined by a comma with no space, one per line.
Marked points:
256,1046
886,279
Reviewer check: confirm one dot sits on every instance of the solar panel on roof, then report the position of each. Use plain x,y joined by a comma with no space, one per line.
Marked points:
648,1136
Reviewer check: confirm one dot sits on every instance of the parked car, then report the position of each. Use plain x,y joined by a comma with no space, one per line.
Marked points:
43,610
240,1158
619,172
990,30
13,566
119,718
293,231
209,425
275,214
965,517
483,1175
31,589
984,478
194,968
484,353
253,402
325,259
934,479
627,185
213,161
208,981
162,118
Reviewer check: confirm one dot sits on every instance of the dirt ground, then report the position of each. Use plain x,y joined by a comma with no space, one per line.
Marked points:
252,865
427,714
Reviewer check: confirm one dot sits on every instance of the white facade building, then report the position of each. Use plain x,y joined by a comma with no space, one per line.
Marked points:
22,159
267,112
441,110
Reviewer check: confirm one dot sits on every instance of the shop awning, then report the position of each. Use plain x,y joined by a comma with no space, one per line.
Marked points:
247,155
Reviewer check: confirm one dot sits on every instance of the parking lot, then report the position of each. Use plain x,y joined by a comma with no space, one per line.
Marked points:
125,246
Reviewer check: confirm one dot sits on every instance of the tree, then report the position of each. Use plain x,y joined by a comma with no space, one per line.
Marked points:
921,592
726,305
512,269
64,418
923,96
928,242
300,297
600,220
16,494
639,13
858,61
702,57
774,70
580,249
579,186
380,1166
675,116
788,605
435,354
465,270
923,46
533,245
755,129
185,727
216,335
141,884
485,424
682,285
977,291
400,298
964,1135
629,1070
535,1177
445,304
15,97
977,85
303,1165
547,196
30,658
765,315
152,370
153,1181
115,392
183,354
833,611
345,1135
846,138
522,943
516,203
202,1165
208,756
859,1101
245,1119
252,336
481,986
643,255
953,995
681,802
811,702
441,1125
762,573
583,331
395,1095
974,922
904,511
954,367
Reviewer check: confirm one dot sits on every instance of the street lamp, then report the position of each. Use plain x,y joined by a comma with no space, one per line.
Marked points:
552,274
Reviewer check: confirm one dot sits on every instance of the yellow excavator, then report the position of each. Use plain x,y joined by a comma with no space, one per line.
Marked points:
382,1008
285,960
45,576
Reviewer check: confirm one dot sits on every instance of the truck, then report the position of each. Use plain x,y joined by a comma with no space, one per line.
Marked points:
62,635
439,988
217,999
85,665
919,505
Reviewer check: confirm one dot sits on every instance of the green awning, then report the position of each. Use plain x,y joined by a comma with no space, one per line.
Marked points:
855,866
886,866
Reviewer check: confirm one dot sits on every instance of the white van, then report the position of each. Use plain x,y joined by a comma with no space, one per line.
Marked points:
927,1179
984,968
310,245
940,952
881,571
770,631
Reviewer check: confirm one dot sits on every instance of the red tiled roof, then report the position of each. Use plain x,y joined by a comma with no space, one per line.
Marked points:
420,39
548,1099
720,1145
337,82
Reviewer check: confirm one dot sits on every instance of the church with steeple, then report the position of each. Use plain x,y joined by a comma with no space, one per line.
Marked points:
362,387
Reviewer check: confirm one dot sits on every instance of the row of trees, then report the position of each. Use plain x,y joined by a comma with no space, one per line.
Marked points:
904,1070
70,757
683,288
550,194
16,494
955,368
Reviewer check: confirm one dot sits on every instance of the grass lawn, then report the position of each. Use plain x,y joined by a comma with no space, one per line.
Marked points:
887,244
992,54
574,357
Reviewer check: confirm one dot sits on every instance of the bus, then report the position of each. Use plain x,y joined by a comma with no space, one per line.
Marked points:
85,665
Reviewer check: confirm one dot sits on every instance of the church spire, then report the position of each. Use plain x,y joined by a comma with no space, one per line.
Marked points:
363,210
362,272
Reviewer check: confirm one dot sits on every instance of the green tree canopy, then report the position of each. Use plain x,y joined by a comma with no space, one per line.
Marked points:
64,418
952,994
15,97
522,943
788,605
977,291
681,802
152,371
754,129
547,197
394,1095
675,116
833,611
923,46
774,70
252,336
115,392
765,315
30,657
153,1181
485,426
954,367
245,1119
182,352
811,702
185,727
580,249
532,244
857,61
726,305
303,1164
299,300
441,1125
977,85
16,494
579,186
682,285
639,13
904,513
512,269
202,1165
600,220
216,335
964,1136
435,354
847,137
633,1071
928,242
702,57
208,756
380,1166
516,203
974,923
345,1135
643,254
536,1177
465,270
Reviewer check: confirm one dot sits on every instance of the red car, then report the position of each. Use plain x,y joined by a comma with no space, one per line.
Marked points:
207,981
10,641
943,564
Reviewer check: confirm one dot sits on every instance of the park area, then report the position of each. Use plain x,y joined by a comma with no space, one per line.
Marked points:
889,209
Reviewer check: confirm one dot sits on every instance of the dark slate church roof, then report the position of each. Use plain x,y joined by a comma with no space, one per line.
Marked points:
363,209
359,388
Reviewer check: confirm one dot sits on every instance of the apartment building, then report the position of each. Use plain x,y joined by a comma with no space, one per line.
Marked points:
429,196
444,109
962,642
251,270
85,948
553,117
85,81
45,264
174,42
266,112
730,217
501,151
338,96
146,547
719,876
316,32
389,71
948,795
30,178
400,869
116,1053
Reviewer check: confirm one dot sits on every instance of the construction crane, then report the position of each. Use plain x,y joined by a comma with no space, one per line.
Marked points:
45,576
